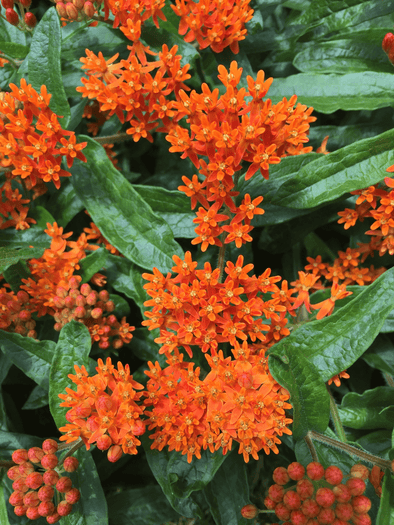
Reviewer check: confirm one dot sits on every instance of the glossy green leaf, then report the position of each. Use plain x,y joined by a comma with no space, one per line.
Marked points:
34,236
65,204
3,508
44,63
38,398
377,442
354,167
122,216
388,325
328,93
386,507
93,263
126,278
15,273
172,206
378,397
308,395
356,326
14,49
178,478
72,348
10,33
145,348
342,57
91,509
144,506
365,418
381,354
228,492
9,256
32,357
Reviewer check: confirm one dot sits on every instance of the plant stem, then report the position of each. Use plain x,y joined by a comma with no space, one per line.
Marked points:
221,259
335,417
352,451
389,379
110,139
311,447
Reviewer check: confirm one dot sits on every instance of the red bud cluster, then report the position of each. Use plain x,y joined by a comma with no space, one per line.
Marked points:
332,501
388,46
34,490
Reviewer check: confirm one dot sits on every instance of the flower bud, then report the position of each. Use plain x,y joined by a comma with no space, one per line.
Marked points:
282,512
70,464
20,456
75,280
25,468
387,43
46,493
91,299
356,486
361,504
359,471
20,510
280,476
90,11
333,475
54,518
24,315
78,4
16,498
249,511
31,499
104,442
46,508
315,471
342,493
13,473
296,471
96,313
50,446
292,500
34,480
72,496
110,306
103,295
19,485
64,485
114,453
49,461
9,4
12,17
325,497
50,477
79,312
25,3
276,493
64,508
32,513
85,289
35,454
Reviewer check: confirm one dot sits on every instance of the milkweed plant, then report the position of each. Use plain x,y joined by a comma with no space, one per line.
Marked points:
196,262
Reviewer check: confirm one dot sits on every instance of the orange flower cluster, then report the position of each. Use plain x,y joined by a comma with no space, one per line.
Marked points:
31,155
54,289
382,229
129,87
228,130
213,23
238,400
104,409
12,208
200,310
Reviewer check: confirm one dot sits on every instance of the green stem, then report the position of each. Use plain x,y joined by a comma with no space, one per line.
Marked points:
311,447
110,139
389,379
335,417
221,259
349,449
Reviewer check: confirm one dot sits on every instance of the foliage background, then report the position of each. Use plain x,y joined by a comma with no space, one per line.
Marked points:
328,54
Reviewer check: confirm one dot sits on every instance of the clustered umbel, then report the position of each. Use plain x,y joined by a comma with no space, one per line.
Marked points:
40,490
319,496
12,16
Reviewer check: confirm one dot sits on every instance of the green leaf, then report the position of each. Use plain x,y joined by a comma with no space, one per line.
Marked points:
15,273
386,507
3,508
44,63
91,509
14,50
342,57
92,264
10,441
172,206
354,167
38,398
381,354
144,506
72,348
356,326
145,348
9,256
126,278
178,478
65,204
32,357
122,216
364,418
381,396
328,93
10,33
34,236
228,492
308,394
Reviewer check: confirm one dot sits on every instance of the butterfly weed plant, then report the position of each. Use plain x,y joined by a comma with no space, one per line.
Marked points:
196,243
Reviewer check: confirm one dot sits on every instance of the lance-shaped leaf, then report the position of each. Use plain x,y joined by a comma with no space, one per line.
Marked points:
122,216
126,278
178,478
44,63
386,507
9,256
72,348
228,492
93,263
334,343
328,93
354,167
32,357
368,410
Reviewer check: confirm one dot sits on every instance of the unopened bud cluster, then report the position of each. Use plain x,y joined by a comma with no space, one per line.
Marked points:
388,46
317,496
37,478
77,9
12,16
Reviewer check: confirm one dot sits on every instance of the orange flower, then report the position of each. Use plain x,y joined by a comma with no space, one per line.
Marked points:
326,307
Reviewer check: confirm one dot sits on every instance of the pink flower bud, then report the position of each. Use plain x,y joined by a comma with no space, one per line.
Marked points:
72,496
20,510
333,475
49,461
46,508
20,456
104,442
35,454
26,468
315,471
16,498
75,280
13,473
70,464
32,513
79,312
31,499
78,4
114,453
361,504
296,471
50,446
19,485
249,511
64,508
46,493
91,299
54,518
96,313
50,477
34,480
280,476
85,289
64,485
